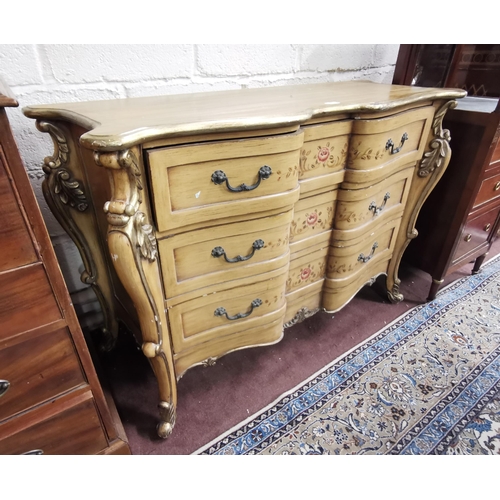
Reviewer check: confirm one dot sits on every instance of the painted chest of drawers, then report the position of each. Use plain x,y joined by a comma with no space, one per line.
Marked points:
51,401
212,221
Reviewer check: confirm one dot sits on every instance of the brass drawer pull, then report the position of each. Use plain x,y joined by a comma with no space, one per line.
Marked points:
468,238
219,177
377,210
221,311
364,259
497,186
4,387
219,252
33,452
487,227
390,144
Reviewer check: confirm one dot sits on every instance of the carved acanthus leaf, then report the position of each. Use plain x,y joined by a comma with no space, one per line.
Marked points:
144,237
439,145
61,182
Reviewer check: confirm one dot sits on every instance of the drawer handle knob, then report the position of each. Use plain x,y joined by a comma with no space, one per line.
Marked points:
377,210
468,238
219,177
487,227
221,311
219,252
364,259
497,186
33,452
390,144
4,387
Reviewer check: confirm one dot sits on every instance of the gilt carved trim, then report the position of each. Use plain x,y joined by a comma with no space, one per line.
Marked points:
439,145
125,217
65,194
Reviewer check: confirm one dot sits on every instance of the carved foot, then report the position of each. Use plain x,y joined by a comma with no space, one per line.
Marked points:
167,415
301,315
394,295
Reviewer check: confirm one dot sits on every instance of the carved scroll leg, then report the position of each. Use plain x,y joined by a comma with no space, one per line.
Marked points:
428,172
133,251
141,279
66,194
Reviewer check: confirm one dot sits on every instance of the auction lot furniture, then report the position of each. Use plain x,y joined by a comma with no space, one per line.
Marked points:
459,221
209,222
51,401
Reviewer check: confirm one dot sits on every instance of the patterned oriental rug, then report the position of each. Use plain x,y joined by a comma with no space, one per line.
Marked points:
428,383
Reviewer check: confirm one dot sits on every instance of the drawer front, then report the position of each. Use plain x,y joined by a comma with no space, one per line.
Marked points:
475,233
265,334
358,207
346,261
307,269
489,190
38,370
312,216
323,155
224,313
200,258
17,247
193,184
74,431
400,138
26,300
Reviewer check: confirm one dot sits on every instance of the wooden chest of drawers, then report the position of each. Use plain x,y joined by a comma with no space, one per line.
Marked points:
459,221
208,222
51,401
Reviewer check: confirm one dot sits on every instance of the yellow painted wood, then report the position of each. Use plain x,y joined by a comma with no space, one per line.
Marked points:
194,322
188,264
368,146
353,206
184,193
307,269
121,123
343,261
207,352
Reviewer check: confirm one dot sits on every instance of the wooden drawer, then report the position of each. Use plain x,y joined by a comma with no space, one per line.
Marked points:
189,187
307,269
38,370
358,207
489,190
348,258
311,217
208,352
475,233
208,317
370,146
17,248
67,427
26,300
197,259
324,155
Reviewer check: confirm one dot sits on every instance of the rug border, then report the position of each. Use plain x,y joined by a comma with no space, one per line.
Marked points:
331,363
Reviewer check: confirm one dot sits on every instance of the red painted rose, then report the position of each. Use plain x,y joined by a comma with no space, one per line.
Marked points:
305,273
323,154
312,219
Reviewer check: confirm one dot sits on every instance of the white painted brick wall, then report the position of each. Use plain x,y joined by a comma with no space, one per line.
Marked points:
39,74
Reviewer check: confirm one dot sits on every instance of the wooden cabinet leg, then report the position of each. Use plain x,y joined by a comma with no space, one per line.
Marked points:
478,263
133,249
434,289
